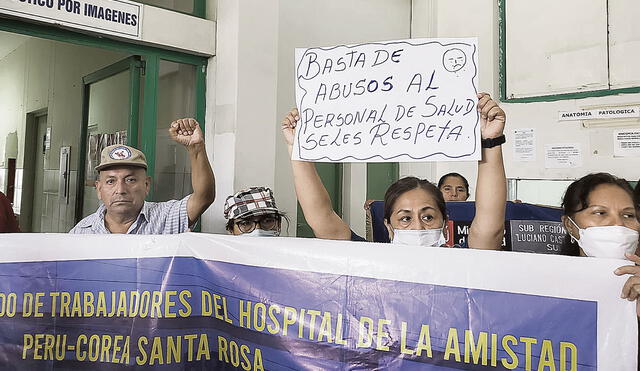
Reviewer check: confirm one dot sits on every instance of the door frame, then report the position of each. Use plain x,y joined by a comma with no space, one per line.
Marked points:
132,64
151,57
28,168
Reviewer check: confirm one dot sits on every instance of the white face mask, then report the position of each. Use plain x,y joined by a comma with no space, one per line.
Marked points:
262,233
419,237
607,242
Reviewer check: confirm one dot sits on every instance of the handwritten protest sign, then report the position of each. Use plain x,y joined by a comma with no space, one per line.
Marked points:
407,100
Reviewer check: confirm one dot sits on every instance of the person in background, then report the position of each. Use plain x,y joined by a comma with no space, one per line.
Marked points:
253,212
601,219
8,222
123,184
414,210
454,187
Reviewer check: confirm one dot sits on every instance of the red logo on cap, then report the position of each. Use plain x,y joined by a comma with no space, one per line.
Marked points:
120,153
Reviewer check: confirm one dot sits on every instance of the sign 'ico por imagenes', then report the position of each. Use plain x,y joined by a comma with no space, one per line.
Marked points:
112,17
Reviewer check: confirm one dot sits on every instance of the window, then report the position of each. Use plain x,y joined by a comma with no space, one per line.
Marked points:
192,7
538,191
552,50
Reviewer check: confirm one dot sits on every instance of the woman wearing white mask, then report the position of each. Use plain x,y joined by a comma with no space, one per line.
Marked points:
253,212
415,212
601,219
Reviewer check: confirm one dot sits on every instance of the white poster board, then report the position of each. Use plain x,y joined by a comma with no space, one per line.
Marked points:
406,100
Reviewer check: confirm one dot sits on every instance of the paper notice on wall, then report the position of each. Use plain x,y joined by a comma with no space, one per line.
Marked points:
407,100
562,155
626,143
524,144
600,113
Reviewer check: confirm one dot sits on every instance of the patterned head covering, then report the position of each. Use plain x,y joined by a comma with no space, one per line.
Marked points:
252,201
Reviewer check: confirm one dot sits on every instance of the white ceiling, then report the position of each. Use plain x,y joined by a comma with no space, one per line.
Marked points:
10,42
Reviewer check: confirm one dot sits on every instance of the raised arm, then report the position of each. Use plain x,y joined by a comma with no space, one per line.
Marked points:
487,228
187,132
312,195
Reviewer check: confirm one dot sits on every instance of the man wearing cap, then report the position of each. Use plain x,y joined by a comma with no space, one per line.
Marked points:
253,212
123,184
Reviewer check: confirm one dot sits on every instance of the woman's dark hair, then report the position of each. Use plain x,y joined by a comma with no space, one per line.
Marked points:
576,199
458,175
279,215
407,184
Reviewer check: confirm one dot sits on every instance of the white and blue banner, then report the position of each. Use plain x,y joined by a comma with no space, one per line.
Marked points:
201,301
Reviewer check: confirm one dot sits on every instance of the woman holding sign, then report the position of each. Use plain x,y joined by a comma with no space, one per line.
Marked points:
415,211
601,219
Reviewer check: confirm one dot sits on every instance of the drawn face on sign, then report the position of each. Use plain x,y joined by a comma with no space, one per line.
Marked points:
454,59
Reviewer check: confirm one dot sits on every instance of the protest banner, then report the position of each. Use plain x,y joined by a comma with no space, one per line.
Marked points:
406,100
199,301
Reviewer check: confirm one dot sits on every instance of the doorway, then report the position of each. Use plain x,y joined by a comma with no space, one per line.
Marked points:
34,200
67,72
111,105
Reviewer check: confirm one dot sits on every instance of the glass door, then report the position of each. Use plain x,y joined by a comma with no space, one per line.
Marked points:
110,115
